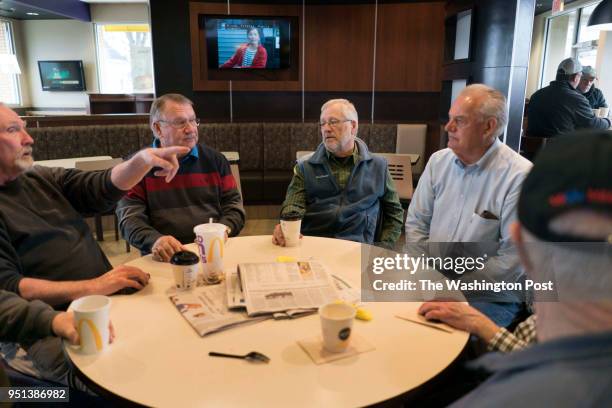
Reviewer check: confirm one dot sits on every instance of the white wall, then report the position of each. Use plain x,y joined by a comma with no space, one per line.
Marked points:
119,13
66,40
59,40
604,59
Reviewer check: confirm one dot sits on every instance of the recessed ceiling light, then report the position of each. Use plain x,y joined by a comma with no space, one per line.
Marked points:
32,14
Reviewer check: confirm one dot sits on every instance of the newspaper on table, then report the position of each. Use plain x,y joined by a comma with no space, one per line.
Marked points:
205,308
285,287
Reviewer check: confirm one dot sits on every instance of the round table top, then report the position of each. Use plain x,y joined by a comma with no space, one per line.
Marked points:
159,360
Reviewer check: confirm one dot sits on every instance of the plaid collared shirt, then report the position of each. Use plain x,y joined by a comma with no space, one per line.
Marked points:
523,335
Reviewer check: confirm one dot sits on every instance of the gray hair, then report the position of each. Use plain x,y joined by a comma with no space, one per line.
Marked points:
494,105
348,109
158,106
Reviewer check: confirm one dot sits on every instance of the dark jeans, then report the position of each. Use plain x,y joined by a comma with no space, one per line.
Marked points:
502,313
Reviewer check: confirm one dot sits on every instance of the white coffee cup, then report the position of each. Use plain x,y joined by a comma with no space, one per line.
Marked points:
185,267
595,112
603,112
210,239
336,325
291,231
91,316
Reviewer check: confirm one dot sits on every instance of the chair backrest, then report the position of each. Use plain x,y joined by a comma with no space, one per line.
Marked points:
411,139
301,153
401,173
91,165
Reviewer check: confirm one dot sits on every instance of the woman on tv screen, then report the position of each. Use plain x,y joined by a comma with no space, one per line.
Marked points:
249,55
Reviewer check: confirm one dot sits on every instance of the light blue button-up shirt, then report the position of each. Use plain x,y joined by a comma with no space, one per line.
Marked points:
476,203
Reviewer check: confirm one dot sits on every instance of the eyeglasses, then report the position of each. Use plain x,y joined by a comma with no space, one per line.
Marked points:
333,123
181,123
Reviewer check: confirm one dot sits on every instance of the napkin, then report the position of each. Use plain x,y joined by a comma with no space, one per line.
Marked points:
313,346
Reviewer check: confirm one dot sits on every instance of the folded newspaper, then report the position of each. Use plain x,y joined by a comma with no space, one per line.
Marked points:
205,308
284,289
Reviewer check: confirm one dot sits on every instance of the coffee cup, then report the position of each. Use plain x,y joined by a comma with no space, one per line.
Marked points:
603,112
210,239
336,326
185,267
291,224
91,316
595,112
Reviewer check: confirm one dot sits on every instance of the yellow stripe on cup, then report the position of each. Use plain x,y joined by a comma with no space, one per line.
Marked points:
211,249
94,331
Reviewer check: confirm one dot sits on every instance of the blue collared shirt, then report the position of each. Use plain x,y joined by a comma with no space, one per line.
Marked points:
568,372
476,203
193,153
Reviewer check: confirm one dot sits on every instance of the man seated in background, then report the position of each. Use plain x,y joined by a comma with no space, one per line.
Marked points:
564,234
558,108
342,189
158,217
47,251
468,192
587,87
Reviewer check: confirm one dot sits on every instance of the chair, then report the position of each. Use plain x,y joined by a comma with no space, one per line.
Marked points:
93,165
401,172
411,138
531,145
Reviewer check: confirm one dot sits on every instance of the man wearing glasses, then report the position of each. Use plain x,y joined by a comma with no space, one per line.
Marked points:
158,218
587,87
342,189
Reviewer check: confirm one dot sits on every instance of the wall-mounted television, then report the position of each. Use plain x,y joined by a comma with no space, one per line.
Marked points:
248,42
65,76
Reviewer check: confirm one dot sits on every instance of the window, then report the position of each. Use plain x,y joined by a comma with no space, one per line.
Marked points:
567,35
125,63
9,70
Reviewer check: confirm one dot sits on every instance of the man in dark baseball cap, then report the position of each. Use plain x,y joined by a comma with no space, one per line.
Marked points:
564,236
559,108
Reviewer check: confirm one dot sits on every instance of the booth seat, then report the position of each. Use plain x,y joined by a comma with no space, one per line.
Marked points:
267,150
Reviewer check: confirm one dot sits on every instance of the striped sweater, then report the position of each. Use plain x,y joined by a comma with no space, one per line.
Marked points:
203,188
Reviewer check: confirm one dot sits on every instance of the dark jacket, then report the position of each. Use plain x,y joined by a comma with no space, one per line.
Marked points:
350,213
559,108
596,98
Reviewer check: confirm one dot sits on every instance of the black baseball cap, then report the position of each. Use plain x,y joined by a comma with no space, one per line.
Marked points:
573,171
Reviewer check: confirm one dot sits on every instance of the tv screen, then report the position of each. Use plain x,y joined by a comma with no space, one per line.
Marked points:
249,42
62,75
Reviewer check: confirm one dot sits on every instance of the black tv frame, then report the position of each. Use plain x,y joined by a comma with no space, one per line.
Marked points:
63,89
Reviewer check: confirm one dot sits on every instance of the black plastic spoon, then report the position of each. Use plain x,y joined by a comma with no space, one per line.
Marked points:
253,356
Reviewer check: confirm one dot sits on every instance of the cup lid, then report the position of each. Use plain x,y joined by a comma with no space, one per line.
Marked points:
184,258
209,227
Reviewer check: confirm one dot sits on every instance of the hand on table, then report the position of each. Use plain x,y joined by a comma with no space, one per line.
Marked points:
63,325
165,247
460,316
277,236
119,278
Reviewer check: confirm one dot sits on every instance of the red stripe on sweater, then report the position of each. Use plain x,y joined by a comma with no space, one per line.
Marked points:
228,183
184,181
137,192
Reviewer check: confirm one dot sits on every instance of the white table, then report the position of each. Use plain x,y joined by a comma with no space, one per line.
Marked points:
69,163
159,360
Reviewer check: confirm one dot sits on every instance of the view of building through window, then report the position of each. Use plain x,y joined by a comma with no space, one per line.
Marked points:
9,81
125,63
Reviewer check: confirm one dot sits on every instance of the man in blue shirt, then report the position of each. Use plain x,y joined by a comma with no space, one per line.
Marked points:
564,235
468,193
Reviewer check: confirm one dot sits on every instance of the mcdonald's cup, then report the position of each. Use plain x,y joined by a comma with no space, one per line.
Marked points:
91,315
210,239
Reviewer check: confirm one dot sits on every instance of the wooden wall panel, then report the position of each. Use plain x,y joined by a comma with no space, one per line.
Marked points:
339,47
409,47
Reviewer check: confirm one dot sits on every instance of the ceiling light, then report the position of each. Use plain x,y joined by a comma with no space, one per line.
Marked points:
601,18
32,14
